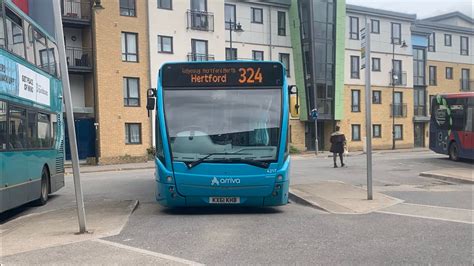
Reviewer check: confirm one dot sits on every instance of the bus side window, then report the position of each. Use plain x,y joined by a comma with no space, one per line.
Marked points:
32,130
44,131
30,50
2,33
15,34
41,54
53,57
3,125
159,143
17,128
469,120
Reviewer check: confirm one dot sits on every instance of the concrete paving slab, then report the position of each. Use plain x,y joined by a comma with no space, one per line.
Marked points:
431,212
458,175
59,227
88,253
340,198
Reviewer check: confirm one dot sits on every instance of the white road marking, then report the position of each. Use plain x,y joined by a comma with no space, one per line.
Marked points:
147,252
447,214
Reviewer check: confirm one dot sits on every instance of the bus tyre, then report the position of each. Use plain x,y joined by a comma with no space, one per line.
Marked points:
453,152
44,188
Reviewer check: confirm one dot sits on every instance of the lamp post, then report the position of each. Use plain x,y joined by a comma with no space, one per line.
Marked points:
394,78
238,28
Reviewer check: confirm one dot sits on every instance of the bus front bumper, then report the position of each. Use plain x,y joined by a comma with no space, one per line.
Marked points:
167,195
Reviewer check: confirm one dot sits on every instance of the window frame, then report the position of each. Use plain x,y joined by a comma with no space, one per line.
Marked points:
373,97
127,129
372,26
352,132
127,97
432,46
380,131
233,51
254,52
373,64
432,76
160,44
125,34
399,38
234,14
450,40
357,72
466,50
128,9
281,19
355,108
160,5
451,72
253,9
353,35
287,67
395,131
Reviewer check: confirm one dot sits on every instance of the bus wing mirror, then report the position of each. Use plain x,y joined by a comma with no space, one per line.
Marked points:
150,100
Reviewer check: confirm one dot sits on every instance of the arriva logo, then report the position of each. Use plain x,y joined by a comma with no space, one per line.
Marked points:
217,182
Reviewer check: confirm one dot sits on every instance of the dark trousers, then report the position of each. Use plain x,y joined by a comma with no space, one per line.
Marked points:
340,157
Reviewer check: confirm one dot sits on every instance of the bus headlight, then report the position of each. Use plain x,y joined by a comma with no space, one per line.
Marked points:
169,179
279,178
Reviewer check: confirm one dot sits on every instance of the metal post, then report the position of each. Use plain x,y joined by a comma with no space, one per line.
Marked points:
230,32
316,142
368,113
393,94
70,116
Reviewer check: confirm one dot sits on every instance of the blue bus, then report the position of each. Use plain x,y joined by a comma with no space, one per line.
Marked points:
221,134
31,127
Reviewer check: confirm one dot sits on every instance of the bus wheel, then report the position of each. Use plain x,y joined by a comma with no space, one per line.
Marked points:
453,152
44,188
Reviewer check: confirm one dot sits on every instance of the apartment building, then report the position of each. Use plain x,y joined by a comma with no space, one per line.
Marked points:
391,78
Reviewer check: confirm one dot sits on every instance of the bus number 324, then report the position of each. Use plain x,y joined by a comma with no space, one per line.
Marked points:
250,75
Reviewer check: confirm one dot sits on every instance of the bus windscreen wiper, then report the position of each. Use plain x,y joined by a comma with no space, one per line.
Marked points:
192,164
249,161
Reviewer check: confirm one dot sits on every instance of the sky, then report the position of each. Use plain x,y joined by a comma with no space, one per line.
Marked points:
422,8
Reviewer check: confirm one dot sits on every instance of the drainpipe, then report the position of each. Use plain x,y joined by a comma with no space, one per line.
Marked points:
270,33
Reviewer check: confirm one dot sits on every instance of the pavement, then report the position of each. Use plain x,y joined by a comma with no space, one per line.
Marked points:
461,175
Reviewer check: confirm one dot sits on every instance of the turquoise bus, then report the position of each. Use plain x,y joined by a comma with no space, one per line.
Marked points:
221,134
31,112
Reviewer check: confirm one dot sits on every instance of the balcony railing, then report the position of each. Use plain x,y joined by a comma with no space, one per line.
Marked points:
79,58
200,57
76,9
324,106
467,84
398,78
419,110
398,110
200,20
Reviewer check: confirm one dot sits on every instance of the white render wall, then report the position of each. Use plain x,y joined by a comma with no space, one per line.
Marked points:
451,53
381,47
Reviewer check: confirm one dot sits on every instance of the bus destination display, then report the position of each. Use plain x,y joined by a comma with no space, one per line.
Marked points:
222,74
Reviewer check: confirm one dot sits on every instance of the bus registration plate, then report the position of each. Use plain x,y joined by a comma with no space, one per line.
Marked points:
224,200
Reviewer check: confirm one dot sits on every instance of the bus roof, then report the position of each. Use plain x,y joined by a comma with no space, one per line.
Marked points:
466,94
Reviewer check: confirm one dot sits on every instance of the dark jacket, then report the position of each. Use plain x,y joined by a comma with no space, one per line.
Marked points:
338,140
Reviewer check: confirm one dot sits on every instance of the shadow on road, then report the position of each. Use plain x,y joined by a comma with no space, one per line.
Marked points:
19,211
221,210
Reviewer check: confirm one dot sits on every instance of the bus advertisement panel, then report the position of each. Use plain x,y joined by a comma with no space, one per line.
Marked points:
221,134
451,125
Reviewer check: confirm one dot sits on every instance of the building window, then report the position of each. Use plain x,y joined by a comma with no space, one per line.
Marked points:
129,47
127,8
230,53
375,26
447,40
229,16
165,44
396,33
398,132
257,55
449,73
465,80
281,23
419,102
285,60
432,42
355,101
133,133
355,133
419,66
432,76
377,130
165,4
376,97
131,91
355,67
354,28
464,45
257,15
199,50
376,64
397,73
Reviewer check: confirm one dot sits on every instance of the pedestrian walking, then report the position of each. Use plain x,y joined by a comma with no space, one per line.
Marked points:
338,143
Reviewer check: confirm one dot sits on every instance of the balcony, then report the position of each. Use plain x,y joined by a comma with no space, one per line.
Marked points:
466,84
398,78
76,13
200,20
324,108
79,60
398,110
200,57
420,114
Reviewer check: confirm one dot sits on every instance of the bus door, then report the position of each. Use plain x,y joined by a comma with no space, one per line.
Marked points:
468,134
